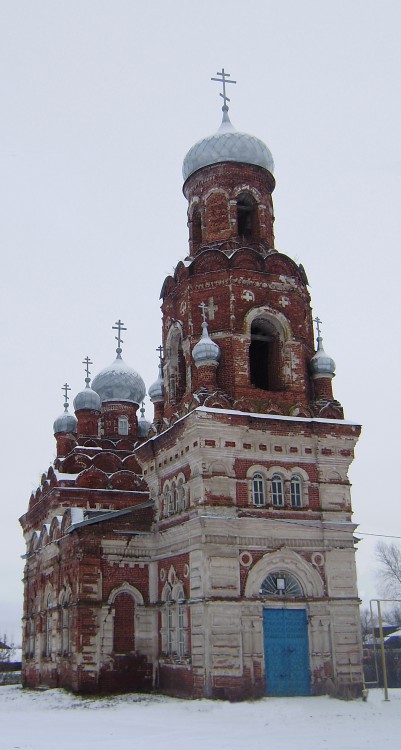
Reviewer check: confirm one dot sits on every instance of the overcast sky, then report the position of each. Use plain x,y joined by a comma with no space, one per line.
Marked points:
100,102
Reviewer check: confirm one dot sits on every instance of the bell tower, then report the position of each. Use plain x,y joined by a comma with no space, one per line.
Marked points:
246,421
254,299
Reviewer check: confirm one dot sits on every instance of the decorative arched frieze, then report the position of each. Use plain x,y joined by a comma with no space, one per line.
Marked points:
93,478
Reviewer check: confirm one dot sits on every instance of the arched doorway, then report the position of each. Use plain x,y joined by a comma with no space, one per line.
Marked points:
285,637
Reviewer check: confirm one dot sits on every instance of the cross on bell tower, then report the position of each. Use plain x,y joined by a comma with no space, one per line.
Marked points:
224,78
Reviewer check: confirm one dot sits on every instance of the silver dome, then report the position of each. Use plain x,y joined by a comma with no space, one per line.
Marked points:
227,145
143,425
65,423
321,363
156,390
206,352
119,382
87,399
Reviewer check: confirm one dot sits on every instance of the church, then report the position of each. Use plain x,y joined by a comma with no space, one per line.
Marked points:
210,553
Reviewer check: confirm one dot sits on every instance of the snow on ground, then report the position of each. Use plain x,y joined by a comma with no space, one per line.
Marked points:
56,720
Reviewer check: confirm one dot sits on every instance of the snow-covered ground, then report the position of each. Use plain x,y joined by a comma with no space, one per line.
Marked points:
55,720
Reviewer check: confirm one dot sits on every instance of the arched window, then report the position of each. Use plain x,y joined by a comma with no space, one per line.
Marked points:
264,355
247,217
281,583
277,490
31,634
181,495
123,425
258,490
66,625
48,643
169,624
175,502
165,499
196,229
124,623
170,501
176,368
180,624
296,492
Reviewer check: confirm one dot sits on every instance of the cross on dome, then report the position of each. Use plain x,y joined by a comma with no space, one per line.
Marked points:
119,326
318,323
65,389
319,339
160,350
87,362
224,78
203,307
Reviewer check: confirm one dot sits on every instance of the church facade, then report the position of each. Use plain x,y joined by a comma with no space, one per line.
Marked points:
210,553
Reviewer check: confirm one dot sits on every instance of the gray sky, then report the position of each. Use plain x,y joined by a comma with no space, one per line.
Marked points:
100,102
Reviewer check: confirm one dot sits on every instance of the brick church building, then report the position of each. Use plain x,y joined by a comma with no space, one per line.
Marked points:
210,553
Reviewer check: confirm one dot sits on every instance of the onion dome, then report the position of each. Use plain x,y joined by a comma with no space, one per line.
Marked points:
143,424
65,422
206,352
156,390
228,144
118,381
321,365
88,398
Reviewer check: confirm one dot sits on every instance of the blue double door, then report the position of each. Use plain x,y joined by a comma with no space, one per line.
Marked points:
285,635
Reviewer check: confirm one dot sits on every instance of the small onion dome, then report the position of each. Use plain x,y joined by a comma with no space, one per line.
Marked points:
156,390
87,399
65,423
119,382
228,144
321,364
143,425
206,352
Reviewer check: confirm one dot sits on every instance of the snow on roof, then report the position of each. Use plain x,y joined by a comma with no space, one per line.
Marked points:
63,477
256,415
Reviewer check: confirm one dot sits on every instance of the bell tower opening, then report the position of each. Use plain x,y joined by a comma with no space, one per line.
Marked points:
196,229
264,355
247,217
176,367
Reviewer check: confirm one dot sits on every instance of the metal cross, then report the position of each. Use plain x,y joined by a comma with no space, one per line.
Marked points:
160,350
224,78
66,388
318,322
119,326
203,307
87,362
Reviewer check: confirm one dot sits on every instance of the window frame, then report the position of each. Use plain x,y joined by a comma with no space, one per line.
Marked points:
277,480
259,493
123,425
296,491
